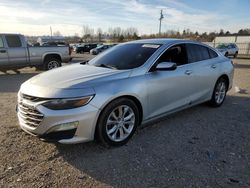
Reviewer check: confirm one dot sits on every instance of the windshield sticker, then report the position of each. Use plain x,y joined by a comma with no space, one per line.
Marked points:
150,46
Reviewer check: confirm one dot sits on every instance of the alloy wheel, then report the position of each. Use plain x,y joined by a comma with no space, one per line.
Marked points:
120,123
220,92
53,64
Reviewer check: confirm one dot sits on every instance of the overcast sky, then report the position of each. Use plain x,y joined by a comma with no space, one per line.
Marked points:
34,17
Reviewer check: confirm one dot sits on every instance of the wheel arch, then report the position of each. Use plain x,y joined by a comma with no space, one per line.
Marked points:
131,97
226,77
52,55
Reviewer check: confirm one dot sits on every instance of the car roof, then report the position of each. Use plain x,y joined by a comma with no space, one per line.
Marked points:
159,41
166,41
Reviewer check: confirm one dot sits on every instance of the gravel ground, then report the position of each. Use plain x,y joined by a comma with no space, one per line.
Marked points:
197,147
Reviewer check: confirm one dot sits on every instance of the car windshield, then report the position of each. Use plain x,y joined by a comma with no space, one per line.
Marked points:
125,56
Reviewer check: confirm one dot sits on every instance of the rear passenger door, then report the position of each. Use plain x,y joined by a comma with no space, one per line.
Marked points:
4,60
16,50
204,64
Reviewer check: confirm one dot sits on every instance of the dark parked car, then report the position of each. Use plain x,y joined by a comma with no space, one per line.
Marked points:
99,49
85,48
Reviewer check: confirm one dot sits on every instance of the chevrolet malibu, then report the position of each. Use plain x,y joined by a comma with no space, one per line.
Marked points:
128,85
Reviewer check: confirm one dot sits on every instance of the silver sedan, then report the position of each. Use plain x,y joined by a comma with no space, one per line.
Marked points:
128,85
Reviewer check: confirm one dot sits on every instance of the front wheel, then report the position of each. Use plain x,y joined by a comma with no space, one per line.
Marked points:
219,93
118,122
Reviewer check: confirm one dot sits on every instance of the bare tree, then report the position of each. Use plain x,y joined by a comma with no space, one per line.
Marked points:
131,32
117,31
99,34
87,32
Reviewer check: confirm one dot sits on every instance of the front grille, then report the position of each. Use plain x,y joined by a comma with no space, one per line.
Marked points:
29,115
32,98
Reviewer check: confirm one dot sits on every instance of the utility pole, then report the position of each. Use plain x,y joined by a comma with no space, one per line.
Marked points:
161,17
50,32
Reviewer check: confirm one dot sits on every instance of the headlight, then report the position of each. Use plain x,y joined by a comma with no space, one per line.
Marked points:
64,104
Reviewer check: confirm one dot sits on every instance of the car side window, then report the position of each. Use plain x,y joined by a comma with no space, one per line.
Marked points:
13,41
1,42
176,54
197,53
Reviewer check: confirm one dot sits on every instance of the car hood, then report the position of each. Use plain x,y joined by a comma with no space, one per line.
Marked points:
77,77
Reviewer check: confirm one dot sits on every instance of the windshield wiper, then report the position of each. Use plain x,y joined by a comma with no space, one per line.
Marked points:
105,66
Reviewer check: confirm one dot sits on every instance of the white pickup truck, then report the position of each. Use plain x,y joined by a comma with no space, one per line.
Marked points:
16,53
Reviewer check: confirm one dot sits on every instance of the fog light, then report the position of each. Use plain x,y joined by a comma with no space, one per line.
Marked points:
64,127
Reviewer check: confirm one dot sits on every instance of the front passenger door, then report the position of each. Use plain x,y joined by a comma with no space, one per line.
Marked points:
170,90
16,51
4,59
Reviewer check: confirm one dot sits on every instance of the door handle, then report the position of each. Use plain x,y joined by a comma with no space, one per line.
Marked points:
188,72
2,51
213,66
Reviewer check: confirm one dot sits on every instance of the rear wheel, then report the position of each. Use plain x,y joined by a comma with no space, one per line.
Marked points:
226,54
118,122
51,63
219,93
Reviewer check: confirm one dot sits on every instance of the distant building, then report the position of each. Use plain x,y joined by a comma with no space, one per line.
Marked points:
46,39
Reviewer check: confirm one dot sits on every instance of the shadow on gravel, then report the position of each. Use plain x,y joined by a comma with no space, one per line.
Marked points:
242,66
242,57
197,147
12,82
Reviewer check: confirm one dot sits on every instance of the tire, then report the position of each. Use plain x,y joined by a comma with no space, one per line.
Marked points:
51,63
226,54
219,93
236,54
123,115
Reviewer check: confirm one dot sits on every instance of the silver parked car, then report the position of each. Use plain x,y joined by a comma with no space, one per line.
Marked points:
125,86
230,49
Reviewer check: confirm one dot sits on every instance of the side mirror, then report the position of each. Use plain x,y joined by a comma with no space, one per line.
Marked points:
164,66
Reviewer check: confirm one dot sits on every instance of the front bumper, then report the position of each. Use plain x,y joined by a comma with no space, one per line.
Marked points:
86,117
